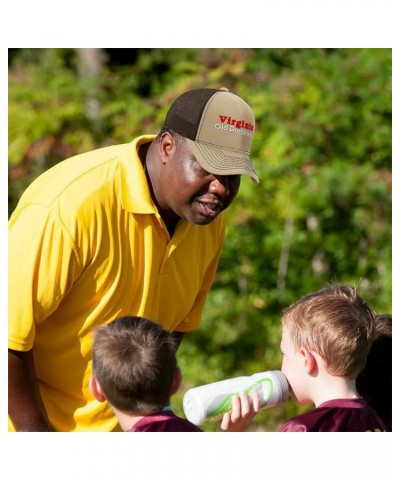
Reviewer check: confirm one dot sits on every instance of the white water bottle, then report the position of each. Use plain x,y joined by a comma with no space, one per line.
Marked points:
208,403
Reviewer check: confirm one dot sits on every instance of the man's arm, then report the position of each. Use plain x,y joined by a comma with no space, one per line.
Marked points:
25,406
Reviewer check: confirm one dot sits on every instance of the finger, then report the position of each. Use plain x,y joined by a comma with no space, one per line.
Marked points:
225,423
236,412
256,402
245,404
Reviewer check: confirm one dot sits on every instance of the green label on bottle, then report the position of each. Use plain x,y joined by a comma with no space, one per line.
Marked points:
226,404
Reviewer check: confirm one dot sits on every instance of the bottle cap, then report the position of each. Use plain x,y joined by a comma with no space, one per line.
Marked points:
194,407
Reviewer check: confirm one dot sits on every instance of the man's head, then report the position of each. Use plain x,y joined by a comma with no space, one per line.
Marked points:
203,149
218,127
134,365
333,324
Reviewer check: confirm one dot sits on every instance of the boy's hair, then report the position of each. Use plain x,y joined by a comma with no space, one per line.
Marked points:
134,362
337,324
374,383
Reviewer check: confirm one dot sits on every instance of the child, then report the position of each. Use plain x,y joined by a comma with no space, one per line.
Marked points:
374,383
135,371
326,337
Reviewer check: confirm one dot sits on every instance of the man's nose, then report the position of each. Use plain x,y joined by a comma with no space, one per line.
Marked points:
220,186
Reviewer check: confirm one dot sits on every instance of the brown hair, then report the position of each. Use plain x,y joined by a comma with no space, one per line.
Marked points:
134,362
337,324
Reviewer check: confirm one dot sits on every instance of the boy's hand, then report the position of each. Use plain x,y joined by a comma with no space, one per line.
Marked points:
244,408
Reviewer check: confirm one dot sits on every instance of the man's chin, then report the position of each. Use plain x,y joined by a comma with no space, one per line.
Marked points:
201,220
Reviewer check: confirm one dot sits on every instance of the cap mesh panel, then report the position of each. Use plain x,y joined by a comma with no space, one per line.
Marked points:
185,113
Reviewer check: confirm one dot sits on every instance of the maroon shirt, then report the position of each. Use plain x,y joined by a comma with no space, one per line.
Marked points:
164,422
344,415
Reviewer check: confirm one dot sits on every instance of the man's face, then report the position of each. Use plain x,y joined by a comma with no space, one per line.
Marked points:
191,192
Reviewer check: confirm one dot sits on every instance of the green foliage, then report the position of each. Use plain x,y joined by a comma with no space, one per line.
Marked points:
322,150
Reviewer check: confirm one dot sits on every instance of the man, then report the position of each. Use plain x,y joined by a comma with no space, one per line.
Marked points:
134,229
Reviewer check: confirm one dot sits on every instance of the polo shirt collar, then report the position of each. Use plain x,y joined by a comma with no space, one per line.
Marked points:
135,191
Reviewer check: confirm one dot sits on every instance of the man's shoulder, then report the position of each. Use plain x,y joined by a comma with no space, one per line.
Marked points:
75,178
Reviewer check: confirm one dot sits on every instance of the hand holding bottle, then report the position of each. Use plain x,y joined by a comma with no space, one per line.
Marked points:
208,403
244,409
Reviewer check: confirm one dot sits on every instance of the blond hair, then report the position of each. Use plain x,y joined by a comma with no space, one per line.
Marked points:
337,324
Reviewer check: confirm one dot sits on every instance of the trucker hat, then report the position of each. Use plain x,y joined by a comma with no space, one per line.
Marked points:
218,126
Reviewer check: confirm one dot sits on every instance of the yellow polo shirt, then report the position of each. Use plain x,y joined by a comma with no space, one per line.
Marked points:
86,245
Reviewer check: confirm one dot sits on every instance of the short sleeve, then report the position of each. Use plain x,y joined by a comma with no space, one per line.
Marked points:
42,266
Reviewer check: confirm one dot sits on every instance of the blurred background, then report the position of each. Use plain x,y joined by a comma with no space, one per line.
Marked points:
322,150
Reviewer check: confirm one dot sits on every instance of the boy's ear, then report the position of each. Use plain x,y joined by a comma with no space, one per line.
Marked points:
96,390
309,360
177,380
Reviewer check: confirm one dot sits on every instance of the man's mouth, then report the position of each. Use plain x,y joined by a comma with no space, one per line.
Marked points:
210,209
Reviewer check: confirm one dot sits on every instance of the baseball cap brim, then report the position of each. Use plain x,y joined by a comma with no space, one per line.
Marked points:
222,161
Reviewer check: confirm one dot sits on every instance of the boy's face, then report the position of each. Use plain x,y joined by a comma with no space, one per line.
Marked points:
293,367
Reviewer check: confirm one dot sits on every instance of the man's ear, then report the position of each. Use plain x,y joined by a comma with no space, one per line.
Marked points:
177,380
309,360
96,390
167,146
